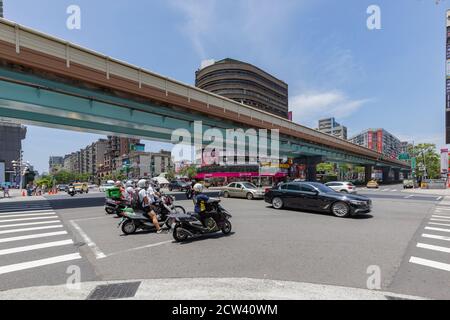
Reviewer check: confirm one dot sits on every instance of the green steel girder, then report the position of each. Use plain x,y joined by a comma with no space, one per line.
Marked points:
32,98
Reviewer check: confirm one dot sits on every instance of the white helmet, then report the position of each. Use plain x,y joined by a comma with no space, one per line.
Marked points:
129,183
142,183
118,183
130,190
198,187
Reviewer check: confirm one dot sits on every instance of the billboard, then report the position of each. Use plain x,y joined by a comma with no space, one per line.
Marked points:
370,141
380,141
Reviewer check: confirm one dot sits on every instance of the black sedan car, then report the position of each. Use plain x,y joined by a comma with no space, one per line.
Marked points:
179,185
316,197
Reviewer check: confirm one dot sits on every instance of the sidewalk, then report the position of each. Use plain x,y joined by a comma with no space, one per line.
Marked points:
210,289
16,195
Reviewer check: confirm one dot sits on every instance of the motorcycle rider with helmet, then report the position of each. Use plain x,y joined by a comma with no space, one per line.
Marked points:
146,201
200,199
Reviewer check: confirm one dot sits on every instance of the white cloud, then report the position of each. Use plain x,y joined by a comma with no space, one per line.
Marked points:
310,107
200,17
207,63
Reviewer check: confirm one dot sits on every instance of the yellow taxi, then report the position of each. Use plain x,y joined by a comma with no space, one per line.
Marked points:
373,184
81,187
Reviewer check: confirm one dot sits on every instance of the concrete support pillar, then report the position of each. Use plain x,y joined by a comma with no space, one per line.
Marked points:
386,171
368,173
396,174
311,166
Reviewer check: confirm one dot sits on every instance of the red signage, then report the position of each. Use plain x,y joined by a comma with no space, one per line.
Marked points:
380,141
370,142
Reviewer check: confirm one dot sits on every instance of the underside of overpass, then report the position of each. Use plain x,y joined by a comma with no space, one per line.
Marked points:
70,97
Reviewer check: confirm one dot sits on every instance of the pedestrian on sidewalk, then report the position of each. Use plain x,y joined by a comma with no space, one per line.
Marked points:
6,191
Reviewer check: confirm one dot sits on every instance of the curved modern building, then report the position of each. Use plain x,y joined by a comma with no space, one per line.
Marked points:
245,83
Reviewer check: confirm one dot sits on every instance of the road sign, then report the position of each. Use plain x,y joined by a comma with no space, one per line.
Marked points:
413,163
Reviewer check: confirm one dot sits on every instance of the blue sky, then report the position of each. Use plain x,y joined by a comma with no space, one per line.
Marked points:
392,78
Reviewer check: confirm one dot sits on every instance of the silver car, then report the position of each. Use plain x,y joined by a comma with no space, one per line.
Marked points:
342,186
243,190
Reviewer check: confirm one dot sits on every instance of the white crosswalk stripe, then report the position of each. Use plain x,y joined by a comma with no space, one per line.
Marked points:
33,237
38,263
434,255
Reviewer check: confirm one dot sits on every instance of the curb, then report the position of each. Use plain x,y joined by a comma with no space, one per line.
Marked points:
210,289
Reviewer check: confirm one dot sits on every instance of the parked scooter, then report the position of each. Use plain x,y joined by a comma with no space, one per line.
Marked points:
189,225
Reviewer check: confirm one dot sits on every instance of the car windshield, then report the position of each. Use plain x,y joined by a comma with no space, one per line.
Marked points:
249,185
323,188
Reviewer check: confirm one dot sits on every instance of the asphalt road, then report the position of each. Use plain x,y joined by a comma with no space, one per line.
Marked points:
265,244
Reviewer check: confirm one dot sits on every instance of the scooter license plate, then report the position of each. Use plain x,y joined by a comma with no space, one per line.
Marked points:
173,225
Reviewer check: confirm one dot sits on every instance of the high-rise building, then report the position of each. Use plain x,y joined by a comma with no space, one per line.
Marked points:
330,126
11,136
55,163
379,140
246,84
1,8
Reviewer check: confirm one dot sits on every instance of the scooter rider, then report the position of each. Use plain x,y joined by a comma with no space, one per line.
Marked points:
200,199
147,199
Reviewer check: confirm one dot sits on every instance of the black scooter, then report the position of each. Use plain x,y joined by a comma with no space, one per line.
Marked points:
116,206
189,225
71,191
133,221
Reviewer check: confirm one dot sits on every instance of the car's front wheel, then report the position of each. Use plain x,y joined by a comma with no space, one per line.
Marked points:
277,203
250,196
340,209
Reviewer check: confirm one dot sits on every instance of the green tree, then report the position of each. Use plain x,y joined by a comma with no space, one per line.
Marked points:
64,177
326,168
170,175
426,156
190,172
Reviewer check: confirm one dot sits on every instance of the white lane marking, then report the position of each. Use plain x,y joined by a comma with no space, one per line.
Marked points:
36,247
439,198
22,213
29,224
439,215
433,236
410,196
431,247
440,224
27,215
385,190
35,229
30,219
430,263
442,220
91,244
140,248
437,229
39,263
442,208
33,236
395,190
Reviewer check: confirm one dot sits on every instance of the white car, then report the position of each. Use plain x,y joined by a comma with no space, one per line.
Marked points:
342,186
